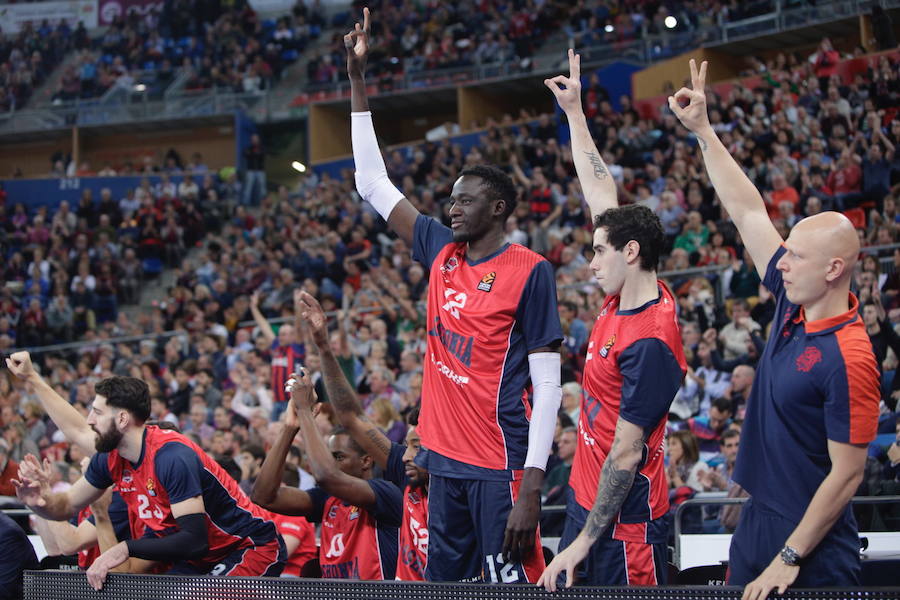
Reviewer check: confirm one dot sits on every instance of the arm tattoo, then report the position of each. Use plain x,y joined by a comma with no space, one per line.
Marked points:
339,391
615,483
381,442
600,171
703,144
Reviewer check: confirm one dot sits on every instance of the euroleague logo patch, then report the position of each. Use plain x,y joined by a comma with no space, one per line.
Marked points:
810,358
487,282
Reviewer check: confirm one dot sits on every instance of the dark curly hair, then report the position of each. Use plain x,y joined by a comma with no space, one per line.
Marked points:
638,223
126,392
497,183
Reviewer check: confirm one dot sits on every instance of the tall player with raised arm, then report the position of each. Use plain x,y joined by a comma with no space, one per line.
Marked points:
618,501
813,407
492,322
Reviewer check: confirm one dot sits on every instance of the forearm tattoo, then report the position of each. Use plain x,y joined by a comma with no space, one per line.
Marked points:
615,483
381,442
600,171
703,144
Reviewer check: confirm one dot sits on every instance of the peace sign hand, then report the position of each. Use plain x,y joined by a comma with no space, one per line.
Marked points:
568,89
693,115
357,44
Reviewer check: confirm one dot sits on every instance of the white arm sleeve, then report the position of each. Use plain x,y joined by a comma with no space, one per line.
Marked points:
372,181
545,368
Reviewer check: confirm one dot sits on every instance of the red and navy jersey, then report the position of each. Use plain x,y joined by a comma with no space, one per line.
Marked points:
172,469
483,318
118,516
816,381
304,531
413,554
285,360
634,367
358,542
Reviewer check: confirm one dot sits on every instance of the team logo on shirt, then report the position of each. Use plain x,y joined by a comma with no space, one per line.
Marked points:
450,265
810,358
354,513
487,281
604,351
150,487
127,476
332,512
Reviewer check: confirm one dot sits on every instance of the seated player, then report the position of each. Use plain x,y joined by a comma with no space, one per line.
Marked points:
359,514
396,460
194,513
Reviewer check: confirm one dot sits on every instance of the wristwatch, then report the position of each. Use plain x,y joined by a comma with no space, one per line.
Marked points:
790,557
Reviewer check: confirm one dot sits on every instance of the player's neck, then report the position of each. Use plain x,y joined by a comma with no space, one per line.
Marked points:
833,303
485,246
132,444
640,287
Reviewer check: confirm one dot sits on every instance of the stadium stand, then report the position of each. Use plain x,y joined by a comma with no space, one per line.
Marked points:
809,139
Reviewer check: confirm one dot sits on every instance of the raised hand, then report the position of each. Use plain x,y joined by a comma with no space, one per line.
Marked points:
302,390
568,89
33,483
312,313
357,44
19,364
693,115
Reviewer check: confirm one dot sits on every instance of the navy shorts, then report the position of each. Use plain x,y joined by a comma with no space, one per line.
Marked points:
761,534
264,560
613,562
466,527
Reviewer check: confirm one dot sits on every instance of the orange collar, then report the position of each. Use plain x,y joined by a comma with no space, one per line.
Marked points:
821,325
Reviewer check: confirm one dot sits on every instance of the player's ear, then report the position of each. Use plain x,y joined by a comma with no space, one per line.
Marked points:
632,251
499,208
367,461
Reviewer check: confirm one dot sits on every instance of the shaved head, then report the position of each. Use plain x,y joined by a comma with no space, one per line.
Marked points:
833,235
822,251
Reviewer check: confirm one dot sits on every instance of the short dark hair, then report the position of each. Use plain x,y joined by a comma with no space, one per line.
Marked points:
412,418
723,404
341,430
634,222
727,435
129,393
255,451
498,184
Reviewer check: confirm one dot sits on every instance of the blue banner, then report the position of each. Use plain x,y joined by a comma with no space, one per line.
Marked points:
50,192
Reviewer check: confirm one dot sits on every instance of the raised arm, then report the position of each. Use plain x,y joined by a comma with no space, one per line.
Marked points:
261,320
739,196
267,489
597,184
71,422
324,465
34,492
372,181
343,399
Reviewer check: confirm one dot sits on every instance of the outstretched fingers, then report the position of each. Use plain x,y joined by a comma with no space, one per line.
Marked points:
574,65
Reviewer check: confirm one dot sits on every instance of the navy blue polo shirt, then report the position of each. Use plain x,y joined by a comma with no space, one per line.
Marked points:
816,381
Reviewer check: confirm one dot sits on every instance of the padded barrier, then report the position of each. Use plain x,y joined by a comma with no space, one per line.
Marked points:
63,585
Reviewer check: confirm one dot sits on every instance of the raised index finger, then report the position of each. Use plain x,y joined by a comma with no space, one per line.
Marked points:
702,76
694,75
366,19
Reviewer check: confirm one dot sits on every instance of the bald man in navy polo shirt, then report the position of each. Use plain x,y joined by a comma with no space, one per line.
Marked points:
814,403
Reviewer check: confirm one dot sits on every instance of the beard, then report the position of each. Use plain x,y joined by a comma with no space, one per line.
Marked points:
108,440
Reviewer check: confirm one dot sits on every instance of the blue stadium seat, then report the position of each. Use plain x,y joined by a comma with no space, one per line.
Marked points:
152,267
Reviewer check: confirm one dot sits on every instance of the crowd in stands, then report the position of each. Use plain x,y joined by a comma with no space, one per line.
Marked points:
220,47
808,139
28,57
